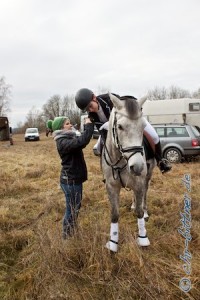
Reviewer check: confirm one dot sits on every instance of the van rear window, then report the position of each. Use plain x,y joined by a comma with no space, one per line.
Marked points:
194,106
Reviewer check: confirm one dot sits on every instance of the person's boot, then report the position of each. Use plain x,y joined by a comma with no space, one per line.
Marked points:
163,164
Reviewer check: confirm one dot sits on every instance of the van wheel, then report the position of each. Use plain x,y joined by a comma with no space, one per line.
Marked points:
173,155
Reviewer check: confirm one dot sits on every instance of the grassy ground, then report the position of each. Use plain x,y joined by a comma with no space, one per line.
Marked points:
35,262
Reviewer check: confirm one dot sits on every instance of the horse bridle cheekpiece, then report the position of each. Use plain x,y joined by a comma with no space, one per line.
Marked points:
134,149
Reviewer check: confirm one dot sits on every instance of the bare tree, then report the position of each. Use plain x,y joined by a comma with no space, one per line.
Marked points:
173,92
53,107
71,110
57,106
157,93
196,94
5,92
34,119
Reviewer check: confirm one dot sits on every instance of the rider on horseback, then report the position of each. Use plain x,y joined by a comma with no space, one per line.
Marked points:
99,108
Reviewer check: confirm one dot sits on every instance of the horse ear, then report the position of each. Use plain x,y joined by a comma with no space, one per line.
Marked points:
141,101
116,101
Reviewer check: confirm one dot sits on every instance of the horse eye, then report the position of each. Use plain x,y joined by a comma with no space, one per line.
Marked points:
120,127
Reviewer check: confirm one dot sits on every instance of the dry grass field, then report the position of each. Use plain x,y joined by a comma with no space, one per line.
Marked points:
36,264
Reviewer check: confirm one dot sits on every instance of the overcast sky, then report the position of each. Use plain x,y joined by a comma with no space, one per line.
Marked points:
50,47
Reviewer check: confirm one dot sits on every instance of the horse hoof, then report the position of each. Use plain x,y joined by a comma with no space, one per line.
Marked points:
112,246
143,241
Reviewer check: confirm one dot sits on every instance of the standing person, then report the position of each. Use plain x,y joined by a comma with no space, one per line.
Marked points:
99,109
74,170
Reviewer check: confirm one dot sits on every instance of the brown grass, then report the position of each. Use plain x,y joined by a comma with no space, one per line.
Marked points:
37,264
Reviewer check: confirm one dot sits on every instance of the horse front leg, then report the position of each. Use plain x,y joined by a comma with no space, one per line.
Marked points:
142,239
113,194
146,215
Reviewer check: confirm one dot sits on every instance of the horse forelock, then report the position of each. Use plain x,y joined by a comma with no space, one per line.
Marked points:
132,108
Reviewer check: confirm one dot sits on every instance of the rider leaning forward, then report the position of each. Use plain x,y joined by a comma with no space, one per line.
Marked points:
99,109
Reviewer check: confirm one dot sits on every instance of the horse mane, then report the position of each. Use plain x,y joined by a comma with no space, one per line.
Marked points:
131,106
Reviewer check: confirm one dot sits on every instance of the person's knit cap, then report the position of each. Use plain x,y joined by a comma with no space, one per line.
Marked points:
57,123
49,124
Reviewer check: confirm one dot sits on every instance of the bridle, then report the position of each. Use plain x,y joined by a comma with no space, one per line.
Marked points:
116,169
134,149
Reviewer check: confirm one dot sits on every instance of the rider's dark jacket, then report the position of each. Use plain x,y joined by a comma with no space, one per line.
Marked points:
106,104
69,146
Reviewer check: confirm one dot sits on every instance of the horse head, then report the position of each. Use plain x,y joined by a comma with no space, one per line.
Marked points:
126,127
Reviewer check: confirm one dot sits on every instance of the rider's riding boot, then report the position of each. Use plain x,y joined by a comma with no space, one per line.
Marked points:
162,163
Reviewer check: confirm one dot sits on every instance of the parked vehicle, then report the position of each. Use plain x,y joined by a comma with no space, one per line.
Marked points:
5,130
31,134
178,141
184,110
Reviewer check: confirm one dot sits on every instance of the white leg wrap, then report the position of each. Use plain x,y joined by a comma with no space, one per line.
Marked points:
114,232
141,227
142,239
114,237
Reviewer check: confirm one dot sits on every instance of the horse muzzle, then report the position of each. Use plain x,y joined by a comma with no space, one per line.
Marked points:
136,164
135,160
137,169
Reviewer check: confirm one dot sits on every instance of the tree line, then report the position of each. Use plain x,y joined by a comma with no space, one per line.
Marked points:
54,107
65,106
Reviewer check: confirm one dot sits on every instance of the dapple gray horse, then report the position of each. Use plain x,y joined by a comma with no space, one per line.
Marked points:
124,164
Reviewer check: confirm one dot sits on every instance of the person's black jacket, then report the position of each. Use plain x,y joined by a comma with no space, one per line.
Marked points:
106,104
69,146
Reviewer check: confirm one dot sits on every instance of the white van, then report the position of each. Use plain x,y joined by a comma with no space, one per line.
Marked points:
32,134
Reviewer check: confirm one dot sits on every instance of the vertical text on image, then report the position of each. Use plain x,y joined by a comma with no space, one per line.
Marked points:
184,230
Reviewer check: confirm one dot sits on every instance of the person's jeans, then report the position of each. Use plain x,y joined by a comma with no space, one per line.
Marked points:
73,196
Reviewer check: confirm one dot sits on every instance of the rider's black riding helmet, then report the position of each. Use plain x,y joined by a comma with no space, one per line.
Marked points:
83,98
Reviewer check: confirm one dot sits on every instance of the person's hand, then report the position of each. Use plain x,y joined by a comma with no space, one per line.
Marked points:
87,120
